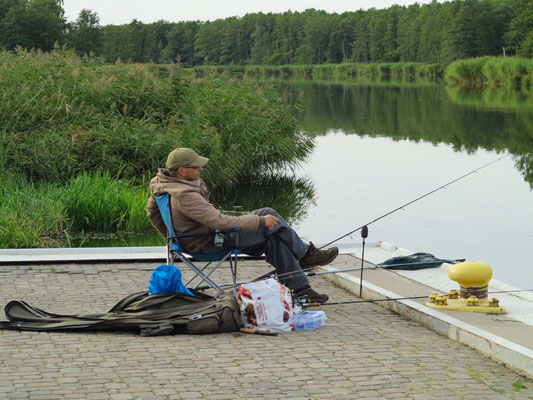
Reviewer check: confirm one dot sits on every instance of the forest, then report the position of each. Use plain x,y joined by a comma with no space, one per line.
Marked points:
438,32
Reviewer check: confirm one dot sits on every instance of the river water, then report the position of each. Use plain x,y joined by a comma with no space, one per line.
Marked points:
379,146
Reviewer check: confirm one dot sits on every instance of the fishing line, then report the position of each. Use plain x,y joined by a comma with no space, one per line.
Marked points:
310,273
267,275
414,201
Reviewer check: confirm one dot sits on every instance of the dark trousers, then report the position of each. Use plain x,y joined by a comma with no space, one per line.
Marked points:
281,245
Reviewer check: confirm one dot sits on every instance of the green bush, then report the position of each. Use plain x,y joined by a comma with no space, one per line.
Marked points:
384,70
430,70
396,70
410,70
62,116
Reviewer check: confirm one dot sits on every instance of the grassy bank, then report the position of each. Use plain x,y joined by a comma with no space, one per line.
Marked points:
507,72
50,214
79,140
325,71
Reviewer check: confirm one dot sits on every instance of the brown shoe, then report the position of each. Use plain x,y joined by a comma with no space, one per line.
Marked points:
307,295
315,257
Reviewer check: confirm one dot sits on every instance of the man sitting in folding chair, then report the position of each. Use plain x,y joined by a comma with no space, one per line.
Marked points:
262,231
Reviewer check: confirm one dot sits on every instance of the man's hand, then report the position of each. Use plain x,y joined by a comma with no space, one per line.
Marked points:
271,221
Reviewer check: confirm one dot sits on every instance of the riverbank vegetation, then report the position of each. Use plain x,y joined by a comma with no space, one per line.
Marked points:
79,140
508,72
399,41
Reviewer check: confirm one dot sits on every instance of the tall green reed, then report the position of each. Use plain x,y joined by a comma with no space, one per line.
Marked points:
510,72
48,214
74,115
30,215
83,138
100,202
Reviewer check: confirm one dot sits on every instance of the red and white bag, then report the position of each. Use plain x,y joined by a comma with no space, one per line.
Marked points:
266,304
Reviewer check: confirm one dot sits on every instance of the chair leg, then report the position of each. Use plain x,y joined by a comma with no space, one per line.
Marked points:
189,282
203,276
233,266
169,255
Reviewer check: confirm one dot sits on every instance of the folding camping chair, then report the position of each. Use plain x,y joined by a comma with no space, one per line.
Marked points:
175,251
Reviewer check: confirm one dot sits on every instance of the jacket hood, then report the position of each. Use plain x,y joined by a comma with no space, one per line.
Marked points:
164,183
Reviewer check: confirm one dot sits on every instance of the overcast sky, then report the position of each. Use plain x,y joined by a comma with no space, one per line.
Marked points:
124,11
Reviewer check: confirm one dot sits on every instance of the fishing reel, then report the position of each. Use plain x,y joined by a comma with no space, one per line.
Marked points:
301,300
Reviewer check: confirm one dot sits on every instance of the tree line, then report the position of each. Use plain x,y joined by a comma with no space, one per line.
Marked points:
429,33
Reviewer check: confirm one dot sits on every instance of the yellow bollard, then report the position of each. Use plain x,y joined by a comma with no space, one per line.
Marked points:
473,278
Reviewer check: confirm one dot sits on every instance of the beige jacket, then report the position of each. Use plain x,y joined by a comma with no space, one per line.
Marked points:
191,211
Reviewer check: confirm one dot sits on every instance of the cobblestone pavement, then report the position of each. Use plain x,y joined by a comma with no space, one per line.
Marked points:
364,351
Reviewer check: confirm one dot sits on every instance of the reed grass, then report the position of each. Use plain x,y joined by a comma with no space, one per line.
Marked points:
62,115
48,214
506,72
83,138
30,216
102,203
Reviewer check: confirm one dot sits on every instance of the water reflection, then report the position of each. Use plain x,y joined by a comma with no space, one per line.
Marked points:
465,119
491,98
291,197
117,239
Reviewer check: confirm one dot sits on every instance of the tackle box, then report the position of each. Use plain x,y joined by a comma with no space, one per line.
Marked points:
309,320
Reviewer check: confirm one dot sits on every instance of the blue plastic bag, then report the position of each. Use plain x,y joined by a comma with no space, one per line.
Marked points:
167,279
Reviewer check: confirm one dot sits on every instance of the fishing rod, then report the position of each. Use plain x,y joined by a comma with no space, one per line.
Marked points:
340,303
364,235
310,273
415,200
268,274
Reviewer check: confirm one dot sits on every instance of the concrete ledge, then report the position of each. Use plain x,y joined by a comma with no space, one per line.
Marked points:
514,356
104,254
65,255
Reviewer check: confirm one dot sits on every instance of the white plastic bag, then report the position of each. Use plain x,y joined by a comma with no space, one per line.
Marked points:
266,304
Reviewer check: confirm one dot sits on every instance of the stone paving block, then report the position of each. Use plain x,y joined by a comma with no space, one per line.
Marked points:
363,351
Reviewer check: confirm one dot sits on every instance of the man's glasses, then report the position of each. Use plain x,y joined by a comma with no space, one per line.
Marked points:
188,166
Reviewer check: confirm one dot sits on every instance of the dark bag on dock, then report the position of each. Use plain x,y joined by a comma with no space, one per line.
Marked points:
159,314
416,261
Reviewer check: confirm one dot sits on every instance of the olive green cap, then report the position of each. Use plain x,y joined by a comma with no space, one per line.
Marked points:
184,156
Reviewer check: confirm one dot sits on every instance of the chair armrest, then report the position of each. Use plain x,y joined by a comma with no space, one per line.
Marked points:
230,230
203,234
